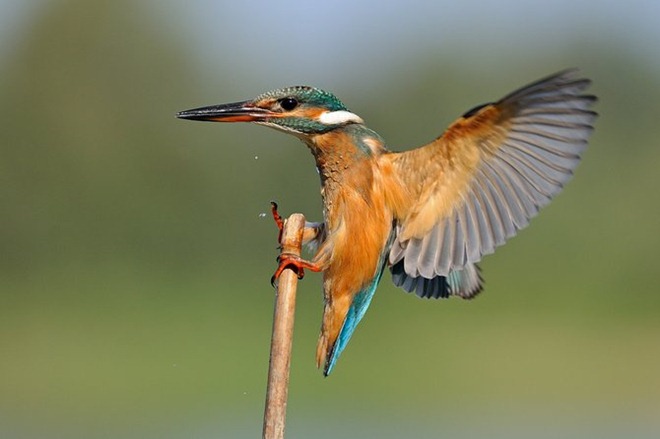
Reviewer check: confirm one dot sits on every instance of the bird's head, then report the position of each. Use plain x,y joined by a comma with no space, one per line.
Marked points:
301,110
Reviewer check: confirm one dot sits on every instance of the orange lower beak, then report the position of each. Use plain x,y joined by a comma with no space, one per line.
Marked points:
234,112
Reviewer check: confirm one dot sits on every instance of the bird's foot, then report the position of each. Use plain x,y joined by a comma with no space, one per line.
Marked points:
279,222
296,263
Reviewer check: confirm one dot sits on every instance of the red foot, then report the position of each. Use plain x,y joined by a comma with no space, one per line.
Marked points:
279,222
288,260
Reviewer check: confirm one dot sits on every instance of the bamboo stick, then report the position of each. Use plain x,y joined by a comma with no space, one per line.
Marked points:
282,338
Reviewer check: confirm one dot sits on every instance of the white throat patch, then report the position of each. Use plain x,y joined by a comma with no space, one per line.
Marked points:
339,117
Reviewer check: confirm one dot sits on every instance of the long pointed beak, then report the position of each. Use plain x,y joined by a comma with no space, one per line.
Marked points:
235,112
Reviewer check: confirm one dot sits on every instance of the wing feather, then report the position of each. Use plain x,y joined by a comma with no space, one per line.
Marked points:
443,258
427,256
460,240
485,178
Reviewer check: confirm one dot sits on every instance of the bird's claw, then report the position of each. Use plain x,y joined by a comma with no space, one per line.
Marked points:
279,222
288,260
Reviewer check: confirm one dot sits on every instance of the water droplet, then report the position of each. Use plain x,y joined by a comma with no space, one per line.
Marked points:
256,157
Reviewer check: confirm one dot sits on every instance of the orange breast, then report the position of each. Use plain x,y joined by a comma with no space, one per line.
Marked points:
359,222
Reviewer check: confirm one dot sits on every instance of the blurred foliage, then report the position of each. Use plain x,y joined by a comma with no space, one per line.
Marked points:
134,296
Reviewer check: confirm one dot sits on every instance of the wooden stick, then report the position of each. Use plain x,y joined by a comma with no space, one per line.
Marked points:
280,345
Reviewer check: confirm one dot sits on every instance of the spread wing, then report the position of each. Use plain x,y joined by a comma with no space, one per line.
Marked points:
487,176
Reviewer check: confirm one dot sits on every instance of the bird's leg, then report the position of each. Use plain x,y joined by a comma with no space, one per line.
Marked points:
298,264
311,232
279,222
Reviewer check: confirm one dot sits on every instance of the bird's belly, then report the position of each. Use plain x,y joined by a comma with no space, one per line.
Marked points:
358,243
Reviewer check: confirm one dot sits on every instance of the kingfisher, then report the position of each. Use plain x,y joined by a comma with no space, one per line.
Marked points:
428,214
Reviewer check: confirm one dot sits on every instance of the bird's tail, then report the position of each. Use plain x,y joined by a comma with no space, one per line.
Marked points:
334,338
338,325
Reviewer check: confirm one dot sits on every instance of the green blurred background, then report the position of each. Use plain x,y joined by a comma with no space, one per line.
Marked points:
134,262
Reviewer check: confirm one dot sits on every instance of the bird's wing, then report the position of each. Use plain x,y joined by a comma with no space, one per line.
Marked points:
489,174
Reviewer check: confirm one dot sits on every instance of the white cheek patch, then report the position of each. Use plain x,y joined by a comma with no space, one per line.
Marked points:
339,117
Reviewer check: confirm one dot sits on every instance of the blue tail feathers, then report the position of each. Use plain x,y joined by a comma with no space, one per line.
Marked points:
358,308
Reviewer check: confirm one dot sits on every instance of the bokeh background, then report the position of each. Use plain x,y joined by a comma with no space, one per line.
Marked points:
134,259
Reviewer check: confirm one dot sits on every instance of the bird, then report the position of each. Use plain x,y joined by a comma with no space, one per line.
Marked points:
428,214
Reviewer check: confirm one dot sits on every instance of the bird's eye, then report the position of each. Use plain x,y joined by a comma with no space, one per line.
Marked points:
288,104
